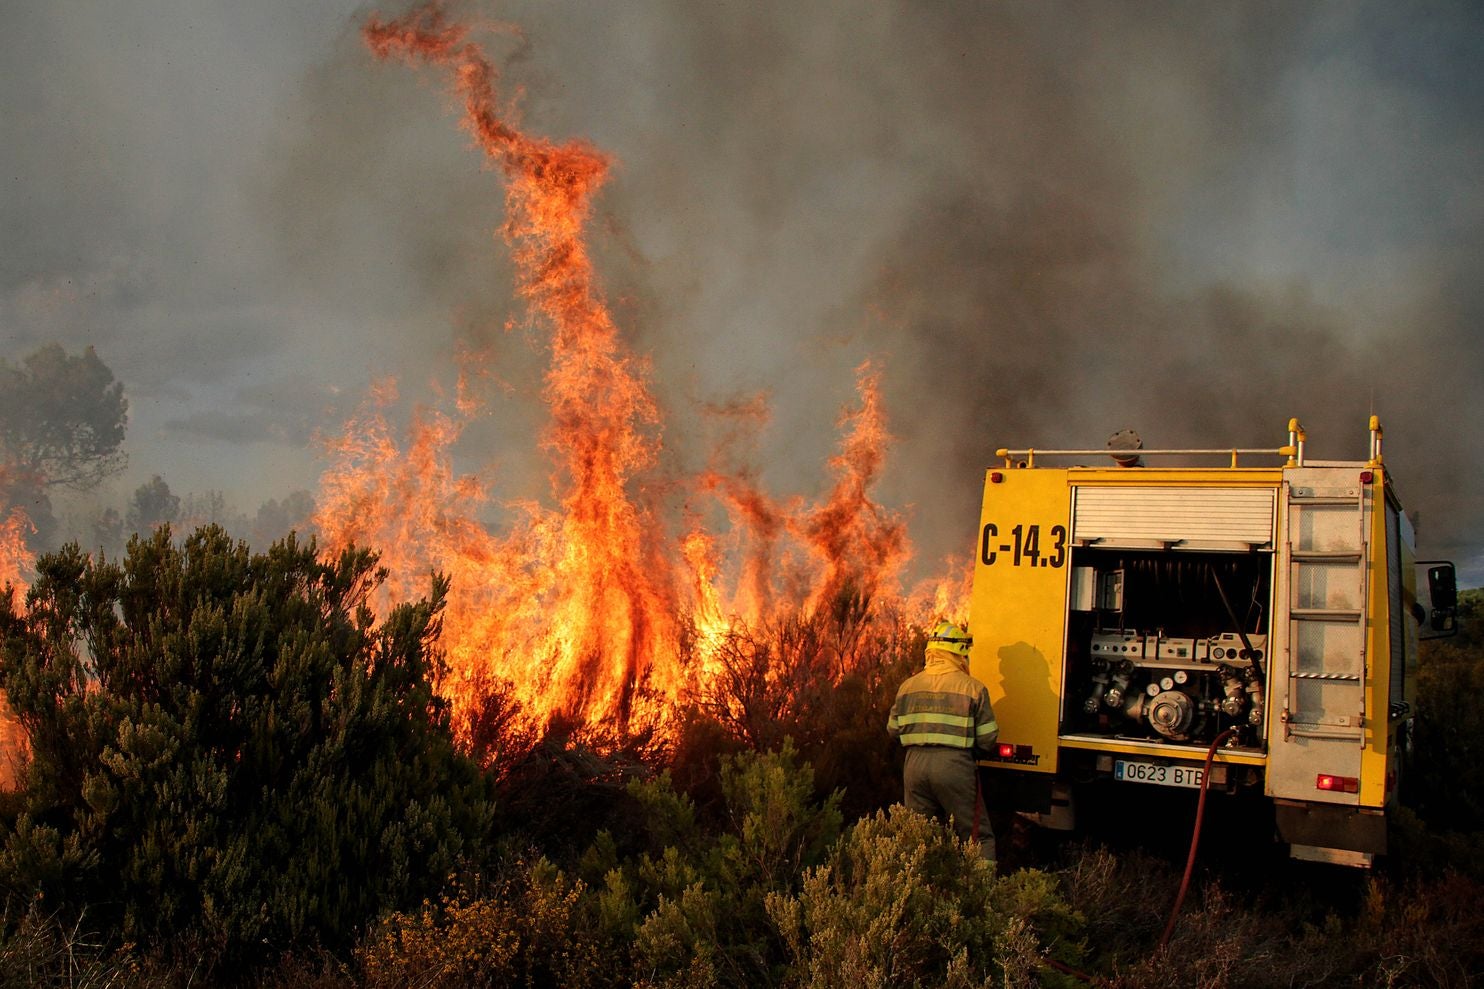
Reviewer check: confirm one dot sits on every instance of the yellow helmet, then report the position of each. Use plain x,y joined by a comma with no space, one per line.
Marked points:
950,638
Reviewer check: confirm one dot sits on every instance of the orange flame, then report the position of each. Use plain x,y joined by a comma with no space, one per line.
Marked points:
597,612
860,542
15,563
15,558
579,610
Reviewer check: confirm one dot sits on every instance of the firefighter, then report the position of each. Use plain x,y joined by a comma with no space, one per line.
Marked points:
944,719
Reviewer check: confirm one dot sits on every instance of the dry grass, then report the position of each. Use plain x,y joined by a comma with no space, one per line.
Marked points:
1292,927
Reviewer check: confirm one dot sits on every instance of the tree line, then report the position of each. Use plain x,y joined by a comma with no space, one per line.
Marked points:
63,420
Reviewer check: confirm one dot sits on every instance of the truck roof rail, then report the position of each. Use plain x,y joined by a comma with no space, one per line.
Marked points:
1126,449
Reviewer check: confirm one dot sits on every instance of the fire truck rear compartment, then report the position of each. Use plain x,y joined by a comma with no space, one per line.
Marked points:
1167,646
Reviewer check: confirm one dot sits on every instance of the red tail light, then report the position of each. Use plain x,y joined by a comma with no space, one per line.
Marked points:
1007,751
1337,784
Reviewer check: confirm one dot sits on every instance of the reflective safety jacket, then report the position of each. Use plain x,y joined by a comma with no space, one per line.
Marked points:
944,705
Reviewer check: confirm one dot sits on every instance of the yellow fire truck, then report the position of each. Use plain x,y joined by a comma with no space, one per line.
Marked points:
1243,620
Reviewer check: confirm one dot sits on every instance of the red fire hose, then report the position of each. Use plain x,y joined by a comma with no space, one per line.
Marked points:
1195,836
978,802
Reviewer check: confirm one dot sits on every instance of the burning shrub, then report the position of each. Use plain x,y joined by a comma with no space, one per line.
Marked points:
824,681
227,745
772,681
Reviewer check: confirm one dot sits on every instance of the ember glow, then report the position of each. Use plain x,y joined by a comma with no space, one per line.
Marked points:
580,609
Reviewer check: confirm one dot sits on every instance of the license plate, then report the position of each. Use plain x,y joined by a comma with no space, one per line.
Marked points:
1149,772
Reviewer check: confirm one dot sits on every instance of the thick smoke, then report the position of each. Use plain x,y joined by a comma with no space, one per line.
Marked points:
1044,222
1070,281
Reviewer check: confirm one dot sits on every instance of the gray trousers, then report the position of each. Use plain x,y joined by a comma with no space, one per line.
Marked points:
942,782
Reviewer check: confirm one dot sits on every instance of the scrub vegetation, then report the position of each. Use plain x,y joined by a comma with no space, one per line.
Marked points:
240,777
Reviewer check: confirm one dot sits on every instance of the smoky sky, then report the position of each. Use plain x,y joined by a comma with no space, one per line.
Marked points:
1043,222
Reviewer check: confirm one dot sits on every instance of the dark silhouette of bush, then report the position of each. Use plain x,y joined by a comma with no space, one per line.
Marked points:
682,906
825,681
1445,780
1302,925
228,749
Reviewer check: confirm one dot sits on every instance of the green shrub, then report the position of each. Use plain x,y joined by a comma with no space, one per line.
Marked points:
690,899
777,825
902,902
533,927
228,747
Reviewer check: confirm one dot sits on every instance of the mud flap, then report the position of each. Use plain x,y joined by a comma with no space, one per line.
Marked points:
1327,826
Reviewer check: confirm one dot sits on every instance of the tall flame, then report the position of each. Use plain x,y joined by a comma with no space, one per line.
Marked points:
578,610
15,563
15,526
15,558
859,541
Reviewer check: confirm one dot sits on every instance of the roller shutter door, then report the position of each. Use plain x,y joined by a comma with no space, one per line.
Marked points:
1181,518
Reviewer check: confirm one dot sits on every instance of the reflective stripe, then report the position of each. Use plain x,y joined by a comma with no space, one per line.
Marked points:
943,706
935,738
935,717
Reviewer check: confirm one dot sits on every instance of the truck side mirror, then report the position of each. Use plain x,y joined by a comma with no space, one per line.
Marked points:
1442,586
1442,597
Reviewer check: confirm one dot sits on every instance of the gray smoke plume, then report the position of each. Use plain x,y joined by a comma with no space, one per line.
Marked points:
1046,222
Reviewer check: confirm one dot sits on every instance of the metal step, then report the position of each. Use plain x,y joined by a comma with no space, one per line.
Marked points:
1326,614
1302,730
1325,556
